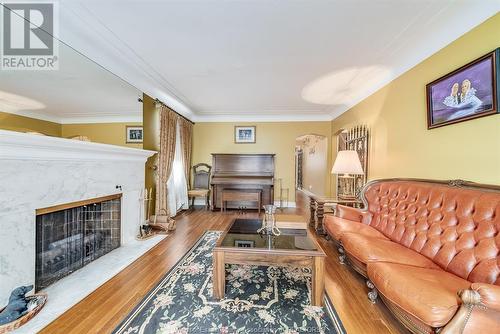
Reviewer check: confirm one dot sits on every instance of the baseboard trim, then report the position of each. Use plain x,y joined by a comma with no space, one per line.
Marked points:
307,192
290,204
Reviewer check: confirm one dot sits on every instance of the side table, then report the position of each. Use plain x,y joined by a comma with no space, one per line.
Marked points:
317,206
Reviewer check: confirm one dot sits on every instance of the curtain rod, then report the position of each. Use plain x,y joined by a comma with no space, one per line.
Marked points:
187,119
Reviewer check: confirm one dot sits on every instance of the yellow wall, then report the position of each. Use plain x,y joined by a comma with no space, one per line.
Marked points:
26,124
106,133
315,164
151,120
401,145
271,137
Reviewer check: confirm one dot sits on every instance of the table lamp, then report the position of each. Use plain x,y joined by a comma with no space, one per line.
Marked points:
347,165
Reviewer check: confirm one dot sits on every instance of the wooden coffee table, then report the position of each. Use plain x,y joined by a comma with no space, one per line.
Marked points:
294,247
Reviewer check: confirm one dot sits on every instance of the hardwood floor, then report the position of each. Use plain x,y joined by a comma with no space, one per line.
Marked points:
102,310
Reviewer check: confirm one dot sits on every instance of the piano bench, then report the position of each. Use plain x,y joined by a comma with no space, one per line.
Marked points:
236,195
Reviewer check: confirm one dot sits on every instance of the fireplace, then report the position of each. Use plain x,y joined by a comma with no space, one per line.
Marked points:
72,235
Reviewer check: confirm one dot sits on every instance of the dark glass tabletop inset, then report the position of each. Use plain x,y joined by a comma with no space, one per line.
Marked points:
243,234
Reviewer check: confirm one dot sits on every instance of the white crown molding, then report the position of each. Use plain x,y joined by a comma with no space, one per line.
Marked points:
274,110
36,115
94,118
228,118
125,117
268,114
24,146
101,119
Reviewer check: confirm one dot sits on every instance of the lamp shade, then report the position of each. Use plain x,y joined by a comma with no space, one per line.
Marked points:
347,162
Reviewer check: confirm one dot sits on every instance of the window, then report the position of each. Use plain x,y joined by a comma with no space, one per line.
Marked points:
177,185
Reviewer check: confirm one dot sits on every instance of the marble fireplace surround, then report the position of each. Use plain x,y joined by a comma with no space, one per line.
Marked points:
41,171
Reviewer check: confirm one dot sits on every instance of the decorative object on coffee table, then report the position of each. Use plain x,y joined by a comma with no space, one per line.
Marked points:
469,92
20,308
269,222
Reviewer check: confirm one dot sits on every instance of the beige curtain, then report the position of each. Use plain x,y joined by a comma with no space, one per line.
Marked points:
168,122
186,130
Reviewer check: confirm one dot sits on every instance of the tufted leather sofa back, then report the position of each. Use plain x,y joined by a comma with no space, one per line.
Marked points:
455,227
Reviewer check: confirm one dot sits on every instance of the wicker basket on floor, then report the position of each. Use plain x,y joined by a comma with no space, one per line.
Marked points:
162,222
40,299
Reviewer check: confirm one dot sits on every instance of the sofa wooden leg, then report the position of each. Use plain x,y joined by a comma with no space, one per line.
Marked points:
342,256
372,294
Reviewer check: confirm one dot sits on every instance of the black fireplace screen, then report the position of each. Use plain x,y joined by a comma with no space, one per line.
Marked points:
69,239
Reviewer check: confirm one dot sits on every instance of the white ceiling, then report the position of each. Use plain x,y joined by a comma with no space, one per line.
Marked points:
80,91
260,60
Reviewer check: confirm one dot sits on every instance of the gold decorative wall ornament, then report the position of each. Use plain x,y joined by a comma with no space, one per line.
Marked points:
354,139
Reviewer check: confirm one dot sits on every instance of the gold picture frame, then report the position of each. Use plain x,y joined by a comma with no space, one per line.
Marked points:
245,134
134,134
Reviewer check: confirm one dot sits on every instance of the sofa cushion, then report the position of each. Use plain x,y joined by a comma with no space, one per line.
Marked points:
367,249
429,295
336,226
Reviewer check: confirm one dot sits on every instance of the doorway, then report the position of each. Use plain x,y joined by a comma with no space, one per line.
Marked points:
311,163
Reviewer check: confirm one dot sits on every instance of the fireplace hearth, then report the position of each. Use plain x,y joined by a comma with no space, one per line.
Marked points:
69,237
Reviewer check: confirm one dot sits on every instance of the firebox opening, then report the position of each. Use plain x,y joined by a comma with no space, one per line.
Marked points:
68,239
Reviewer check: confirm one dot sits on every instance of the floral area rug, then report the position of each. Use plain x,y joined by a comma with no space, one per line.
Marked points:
258,300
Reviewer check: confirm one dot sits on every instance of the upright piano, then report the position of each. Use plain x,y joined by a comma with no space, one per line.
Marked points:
245,172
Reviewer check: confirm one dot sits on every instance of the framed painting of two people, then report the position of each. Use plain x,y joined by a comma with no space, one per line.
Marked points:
469,92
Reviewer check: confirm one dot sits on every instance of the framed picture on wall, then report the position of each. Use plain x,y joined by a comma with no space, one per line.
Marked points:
469,92
134,134
244,134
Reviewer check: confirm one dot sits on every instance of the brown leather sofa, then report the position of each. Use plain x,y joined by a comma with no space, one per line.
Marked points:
430,250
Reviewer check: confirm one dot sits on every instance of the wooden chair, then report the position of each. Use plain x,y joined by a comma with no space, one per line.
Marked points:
201,183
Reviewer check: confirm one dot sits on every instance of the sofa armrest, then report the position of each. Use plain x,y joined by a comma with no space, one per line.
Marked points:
489,294
480,297
347,212
470,299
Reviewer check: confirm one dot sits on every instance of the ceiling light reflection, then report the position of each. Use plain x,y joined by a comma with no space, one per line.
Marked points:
346,85
13,103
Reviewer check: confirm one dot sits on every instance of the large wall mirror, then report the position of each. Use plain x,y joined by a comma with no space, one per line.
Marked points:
79,99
